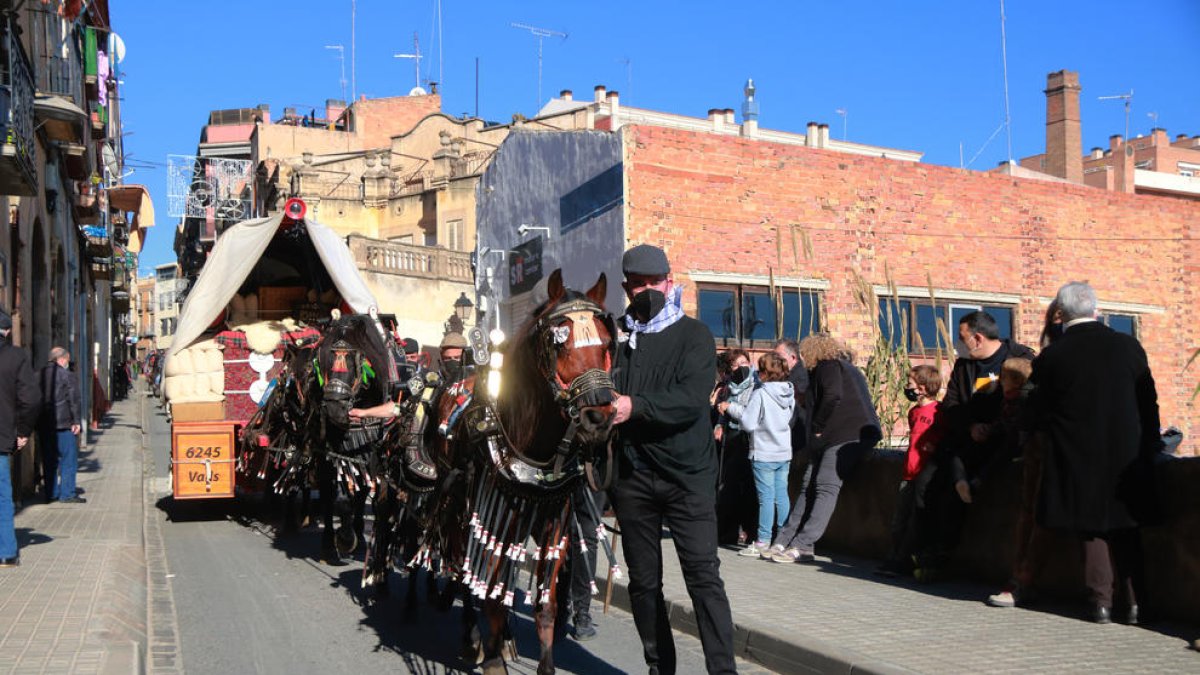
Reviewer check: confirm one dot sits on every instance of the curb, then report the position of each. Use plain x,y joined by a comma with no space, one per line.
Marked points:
796,654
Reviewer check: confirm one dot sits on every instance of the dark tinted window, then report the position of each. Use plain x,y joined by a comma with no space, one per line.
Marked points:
1122,323
719,313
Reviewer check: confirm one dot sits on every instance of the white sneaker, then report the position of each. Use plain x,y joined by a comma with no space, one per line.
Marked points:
754,550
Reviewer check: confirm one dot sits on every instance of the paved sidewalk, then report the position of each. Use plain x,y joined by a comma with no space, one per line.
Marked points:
836,616
77,602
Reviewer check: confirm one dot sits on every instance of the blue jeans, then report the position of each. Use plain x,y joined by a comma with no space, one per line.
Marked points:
68,464
770,479
8,535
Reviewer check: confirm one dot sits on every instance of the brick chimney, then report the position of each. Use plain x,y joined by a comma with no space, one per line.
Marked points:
1122,164
566,95
599,91
1064,138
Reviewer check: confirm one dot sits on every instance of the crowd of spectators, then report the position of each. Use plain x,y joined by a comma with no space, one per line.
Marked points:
1081,418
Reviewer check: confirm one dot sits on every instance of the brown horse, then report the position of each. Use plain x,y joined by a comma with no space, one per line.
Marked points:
510,463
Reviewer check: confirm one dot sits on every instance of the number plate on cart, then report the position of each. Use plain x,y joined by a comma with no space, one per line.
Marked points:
202,460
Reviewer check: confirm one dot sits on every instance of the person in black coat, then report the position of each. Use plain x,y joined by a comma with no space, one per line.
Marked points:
789,351
844,428
19,400
1096,403
973,402
667,461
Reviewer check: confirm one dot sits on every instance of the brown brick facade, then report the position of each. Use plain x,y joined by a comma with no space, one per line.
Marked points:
723,204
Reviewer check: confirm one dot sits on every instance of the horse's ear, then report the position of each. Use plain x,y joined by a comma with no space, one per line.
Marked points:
599,290
554,288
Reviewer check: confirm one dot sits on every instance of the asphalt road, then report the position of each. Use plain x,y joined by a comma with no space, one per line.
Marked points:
248,602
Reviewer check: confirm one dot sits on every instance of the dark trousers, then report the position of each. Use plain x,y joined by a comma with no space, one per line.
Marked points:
48,449
904,526
737,498
940,512
827,469
581,567
1113,566
644,502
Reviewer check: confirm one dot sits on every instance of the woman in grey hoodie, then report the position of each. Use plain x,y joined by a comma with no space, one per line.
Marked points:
767,418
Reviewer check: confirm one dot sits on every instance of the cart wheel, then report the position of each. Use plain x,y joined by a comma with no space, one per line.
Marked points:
346,540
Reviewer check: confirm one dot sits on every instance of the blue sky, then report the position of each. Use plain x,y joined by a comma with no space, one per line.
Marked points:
915,74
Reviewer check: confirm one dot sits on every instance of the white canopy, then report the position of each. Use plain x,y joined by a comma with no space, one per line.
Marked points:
234,256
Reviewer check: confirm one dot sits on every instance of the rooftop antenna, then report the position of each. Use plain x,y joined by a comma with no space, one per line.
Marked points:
1153,116
1004,59
341,57
845,116
1128,98
541,34
353,59
625,61
416,56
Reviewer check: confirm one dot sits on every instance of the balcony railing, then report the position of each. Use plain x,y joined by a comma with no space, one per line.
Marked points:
17,176
428,262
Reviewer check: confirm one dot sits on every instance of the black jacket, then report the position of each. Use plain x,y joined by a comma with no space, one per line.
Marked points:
668,378
19,397
1095,400
799,379
61,405
842,410
963,405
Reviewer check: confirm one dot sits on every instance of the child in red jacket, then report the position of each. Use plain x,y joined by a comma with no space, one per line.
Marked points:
924,383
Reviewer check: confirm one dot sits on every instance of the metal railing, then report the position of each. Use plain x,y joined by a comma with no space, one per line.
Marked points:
427,262
16,113
411,184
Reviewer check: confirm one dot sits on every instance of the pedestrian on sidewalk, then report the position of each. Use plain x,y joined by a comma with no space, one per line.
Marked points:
18,413
737,517
1095,400
767,417
664,372
923,386
1032,540
789,350
58,428
845,428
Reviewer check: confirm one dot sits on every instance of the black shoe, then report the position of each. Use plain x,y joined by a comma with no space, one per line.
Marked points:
10,562
1101,614
1131,616
584,628
73,500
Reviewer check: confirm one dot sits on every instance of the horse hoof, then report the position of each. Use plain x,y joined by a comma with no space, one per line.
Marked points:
495,666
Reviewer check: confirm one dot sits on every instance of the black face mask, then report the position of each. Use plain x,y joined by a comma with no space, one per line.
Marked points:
452,370
740,374
911,394
647,304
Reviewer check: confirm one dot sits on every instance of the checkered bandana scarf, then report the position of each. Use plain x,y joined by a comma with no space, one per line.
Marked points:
671,312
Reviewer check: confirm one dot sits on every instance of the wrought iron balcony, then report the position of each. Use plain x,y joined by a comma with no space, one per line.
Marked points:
17,175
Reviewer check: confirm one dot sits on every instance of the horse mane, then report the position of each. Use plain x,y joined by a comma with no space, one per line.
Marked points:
527,402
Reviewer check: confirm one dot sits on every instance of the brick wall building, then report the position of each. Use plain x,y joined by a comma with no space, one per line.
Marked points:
725,210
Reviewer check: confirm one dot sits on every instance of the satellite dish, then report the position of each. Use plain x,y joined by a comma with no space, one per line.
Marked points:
417,91
110,160
116,47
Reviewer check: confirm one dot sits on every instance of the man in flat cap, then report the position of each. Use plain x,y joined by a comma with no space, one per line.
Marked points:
19,400
665,369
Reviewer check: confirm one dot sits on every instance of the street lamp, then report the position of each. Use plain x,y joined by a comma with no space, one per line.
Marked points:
463,307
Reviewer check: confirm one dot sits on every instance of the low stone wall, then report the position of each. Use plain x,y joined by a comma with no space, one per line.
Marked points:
862,522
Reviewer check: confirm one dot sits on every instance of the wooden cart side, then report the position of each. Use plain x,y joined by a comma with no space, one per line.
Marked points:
202,459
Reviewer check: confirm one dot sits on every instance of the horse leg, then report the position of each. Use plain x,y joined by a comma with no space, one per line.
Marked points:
545,616
493,656
470,638
327,488
360,510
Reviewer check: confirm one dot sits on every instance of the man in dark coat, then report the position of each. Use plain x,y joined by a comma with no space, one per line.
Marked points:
19,399
973,401
58,428
789,350
665,369
1095,400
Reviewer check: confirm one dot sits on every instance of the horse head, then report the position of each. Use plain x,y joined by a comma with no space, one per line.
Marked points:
347,359
575,339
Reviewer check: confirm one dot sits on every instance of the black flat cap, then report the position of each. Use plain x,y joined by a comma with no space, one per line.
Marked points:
646,260
5,320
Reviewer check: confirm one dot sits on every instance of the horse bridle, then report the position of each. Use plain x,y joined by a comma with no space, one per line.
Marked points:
586,384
